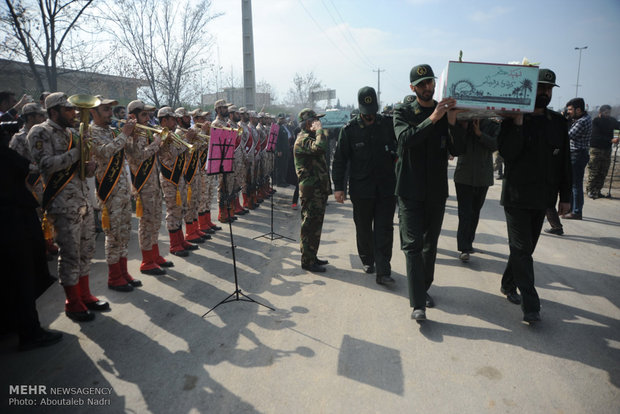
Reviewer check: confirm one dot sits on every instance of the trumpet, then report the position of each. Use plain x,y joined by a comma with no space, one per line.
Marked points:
238,130
163,132
205,137
84,102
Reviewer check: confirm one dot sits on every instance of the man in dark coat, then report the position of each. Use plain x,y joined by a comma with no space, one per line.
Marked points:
536,152
368,144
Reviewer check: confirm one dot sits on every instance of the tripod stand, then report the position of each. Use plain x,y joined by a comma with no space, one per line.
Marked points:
237,295
272,235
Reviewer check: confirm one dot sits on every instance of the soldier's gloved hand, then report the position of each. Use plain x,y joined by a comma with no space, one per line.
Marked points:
339,196
157,140
129,127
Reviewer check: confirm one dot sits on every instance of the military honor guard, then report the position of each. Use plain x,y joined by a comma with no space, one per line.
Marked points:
141,152
172,156
368,145
113,192
56,151
427,133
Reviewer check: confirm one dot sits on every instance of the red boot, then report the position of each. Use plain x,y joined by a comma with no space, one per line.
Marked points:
74,307
176,243
190,233
116,281
203,224
186,245
156,257
247,201
133,282
211,223
149,266
237,207
223,217
89,300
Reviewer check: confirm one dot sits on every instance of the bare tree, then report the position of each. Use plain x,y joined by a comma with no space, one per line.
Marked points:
300,95
40,32
166,39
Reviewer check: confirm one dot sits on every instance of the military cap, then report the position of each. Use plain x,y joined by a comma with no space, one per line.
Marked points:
261,114
281,116
138,104
166,111
367,101
243,110
307,114
107,101
547,76
421,73
253,114
57,99
233,108
220,103
32,108
181,112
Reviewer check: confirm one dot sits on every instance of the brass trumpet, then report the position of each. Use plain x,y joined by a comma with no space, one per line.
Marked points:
205,137
84,102
238,130
163,132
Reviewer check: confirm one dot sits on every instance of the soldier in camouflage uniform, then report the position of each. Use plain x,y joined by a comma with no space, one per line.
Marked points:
247,145
33,114
314,186
113,193
239,162
256,157
190,176
172,162
141,151
57,153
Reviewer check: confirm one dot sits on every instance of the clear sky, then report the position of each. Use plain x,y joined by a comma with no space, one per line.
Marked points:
343,41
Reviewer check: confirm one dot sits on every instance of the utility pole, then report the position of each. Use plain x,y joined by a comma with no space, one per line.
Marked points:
379,70
249,80
578,69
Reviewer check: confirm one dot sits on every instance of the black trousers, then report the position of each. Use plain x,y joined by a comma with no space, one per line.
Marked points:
374,231
470,201
420,225
524,227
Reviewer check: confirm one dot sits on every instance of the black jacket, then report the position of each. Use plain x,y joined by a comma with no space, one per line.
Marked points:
537,159
423,147
371,152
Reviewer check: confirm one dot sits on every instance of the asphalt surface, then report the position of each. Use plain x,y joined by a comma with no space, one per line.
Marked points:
337,342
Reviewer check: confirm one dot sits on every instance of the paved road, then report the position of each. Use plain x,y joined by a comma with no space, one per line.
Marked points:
338,342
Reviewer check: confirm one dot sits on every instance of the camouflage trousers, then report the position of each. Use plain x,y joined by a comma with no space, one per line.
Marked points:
206,196
117,236
598,166
150,222
312,214
239,171
75,236
193,203
174,212
225,189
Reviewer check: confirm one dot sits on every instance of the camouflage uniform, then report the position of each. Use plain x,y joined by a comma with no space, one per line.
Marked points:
139,148
168,154
247,145
314,188
118,204
69,210
19,143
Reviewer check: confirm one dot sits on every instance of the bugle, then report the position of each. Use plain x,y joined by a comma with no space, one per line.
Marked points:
163,132
205,137
239,130
84,102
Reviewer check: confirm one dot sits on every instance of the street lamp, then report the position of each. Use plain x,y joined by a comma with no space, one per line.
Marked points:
578,69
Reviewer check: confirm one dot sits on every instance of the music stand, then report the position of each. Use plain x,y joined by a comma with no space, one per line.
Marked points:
271,145
220,161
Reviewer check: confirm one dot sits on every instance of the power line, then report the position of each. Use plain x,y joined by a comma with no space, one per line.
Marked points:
328,38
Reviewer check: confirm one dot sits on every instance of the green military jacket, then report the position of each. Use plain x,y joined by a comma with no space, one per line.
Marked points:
537,161
423,147
371,152
475,165
310,164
